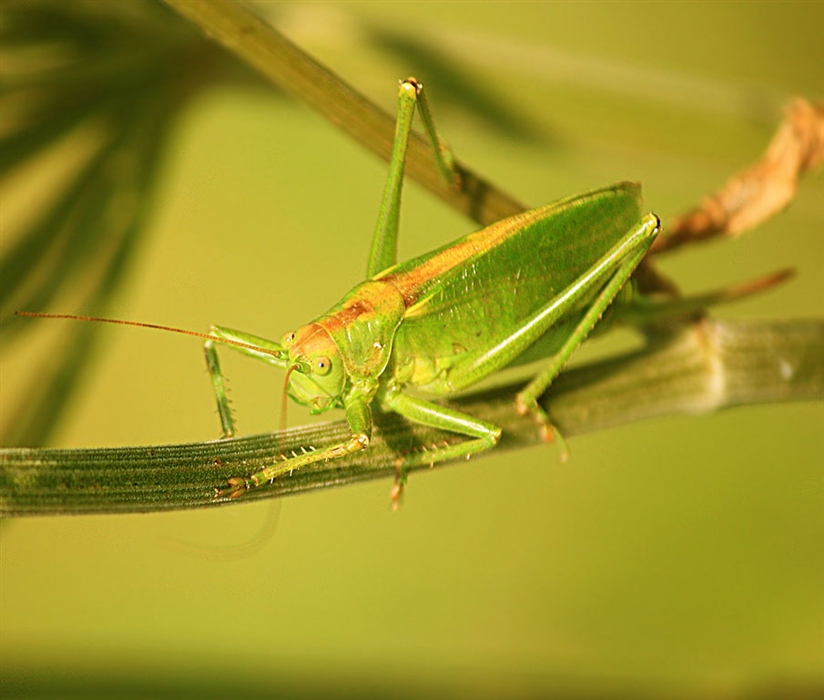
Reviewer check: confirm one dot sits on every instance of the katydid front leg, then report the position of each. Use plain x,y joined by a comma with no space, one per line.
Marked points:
359,416
267,351
227,422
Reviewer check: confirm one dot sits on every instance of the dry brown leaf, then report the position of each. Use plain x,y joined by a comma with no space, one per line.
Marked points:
760,191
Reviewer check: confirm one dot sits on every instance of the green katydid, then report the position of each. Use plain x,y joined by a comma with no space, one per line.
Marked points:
443,321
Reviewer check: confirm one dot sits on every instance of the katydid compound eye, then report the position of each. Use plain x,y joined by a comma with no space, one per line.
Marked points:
322,365
289,338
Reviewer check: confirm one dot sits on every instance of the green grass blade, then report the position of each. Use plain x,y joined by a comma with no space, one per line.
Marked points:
702,368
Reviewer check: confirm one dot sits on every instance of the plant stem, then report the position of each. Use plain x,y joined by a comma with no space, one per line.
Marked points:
697,369
299,75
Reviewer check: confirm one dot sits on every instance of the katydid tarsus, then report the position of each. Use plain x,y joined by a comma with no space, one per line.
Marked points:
443,321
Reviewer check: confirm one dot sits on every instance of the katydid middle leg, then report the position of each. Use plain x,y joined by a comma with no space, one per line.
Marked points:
383,252
481,434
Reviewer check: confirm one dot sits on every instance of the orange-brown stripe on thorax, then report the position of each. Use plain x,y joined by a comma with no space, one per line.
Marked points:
410,283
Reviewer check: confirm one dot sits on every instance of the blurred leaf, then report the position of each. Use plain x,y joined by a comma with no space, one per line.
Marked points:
88,92
454,84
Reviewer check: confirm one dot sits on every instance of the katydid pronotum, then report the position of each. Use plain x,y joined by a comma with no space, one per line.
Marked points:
443,321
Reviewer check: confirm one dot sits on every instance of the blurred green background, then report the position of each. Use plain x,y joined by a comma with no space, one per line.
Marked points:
680,557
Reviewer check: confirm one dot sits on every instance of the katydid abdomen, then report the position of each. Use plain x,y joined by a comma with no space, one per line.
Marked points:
465,298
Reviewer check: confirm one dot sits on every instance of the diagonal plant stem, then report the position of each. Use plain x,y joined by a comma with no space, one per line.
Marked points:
299,75
696,369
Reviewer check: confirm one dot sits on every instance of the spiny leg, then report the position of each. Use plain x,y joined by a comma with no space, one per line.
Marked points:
227,423
564,306
527,399
482,434
359,417
238,485
383,252
256,347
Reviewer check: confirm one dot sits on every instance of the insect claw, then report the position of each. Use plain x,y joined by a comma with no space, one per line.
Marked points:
547,432
564,447
550,434
395,496
237,485
400,482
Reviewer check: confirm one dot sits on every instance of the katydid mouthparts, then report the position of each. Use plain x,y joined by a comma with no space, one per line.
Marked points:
445,320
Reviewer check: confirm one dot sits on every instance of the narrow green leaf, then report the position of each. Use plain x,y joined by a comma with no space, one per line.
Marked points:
703,367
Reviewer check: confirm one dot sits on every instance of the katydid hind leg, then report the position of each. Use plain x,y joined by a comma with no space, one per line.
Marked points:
527,399
483,435
444,158
383,252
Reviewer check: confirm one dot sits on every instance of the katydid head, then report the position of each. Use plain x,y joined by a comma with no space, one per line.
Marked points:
317,377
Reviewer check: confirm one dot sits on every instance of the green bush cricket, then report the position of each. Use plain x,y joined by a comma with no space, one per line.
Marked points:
445,320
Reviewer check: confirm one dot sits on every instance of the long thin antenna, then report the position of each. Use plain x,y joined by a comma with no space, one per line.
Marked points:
155,326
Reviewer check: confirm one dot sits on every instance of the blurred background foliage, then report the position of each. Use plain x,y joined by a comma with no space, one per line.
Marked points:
89,94
680,557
